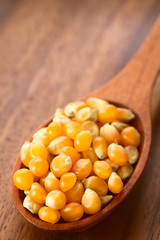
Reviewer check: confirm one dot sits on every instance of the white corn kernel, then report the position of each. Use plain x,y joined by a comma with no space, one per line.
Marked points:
32,206
106,199
71,108
125,171
119,125
91,127
96,102
85,114
41,136
133,154
113,165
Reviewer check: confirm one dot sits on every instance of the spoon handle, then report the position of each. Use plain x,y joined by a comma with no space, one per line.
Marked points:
133,85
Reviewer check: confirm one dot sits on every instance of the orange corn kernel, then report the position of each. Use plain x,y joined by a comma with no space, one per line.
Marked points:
97,184
41,136
23,179
38,193
90,153
38,150
91,202
83,141
51,182
38,167
92,127
54,130
25,155
85,114
48,214
125,115
115,183
71,108
82,168
107,114
67,181
102,169
42,179
75,194
71,129
56,199
55,147
100,147
72,212
117,154
110,133
72,153
60,165
130,136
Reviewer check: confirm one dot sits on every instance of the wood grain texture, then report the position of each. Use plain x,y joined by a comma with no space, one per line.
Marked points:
53,52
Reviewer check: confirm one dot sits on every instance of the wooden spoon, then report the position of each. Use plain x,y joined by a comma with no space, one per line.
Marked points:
131,88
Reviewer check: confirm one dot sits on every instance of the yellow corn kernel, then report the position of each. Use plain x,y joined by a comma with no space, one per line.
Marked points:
119,125
106,199
60,165
71,108
38,167
25,155
38,150
82,168
91,202
100,147
75,194
107,114
130,136
91,127
71,129
133,154
96,102
110,133
48,214
113,165
117,154
85,114
42,179
56,199
125,171
72,212
41,136
23,179
37,193
55,147
97,184
32,206
72,153
102,169
125,115
83,141
115,183
67,181
51,182
54,130
90,153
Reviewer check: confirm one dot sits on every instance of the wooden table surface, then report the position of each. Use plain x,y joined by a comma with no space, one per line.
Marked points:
53,52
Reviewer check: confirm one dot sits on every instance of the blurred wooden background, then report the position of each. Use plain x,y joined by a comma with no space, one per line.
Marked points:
53,52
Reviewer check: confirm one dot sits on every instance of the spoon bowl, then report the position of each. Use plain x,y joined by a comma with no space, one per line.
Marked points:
132,89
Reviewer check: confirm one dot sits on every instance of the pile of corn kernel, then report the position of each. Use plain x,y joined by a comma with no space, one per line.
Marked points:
77,164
